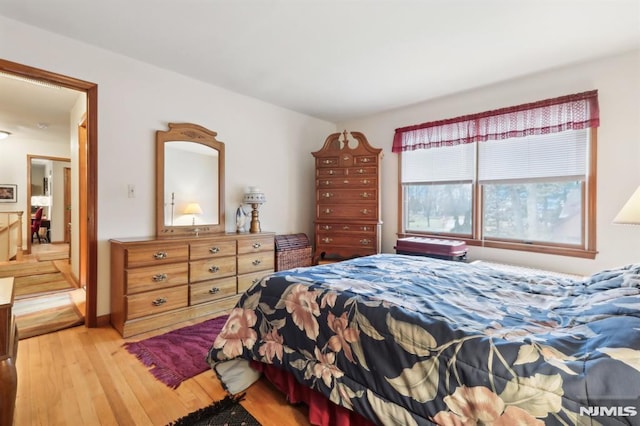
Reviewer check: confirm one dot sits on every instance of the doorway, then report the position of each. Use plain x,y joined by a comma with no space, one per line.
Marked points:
87,176
47,187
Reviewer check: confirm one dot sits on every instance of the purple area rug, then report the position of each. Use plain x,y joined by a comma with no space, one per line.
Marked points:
179,354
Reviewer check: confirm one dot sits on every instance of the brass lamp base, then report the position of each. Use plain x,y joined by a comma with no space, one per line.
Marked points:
254,227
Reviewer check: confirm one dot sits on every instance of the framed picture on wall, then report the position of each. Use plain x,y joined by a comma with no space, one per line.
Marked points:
8,193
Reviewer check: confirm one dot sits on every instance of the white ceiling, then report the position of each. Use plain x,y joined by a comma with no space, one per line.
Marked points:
36,112
343,59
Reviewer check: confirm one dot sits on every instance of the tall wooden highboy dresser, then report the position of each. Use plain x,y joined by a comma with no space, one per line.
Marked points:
348,218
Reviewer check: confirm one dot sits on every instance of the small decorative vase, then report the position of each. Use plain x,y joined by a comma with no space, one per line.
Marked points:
241,219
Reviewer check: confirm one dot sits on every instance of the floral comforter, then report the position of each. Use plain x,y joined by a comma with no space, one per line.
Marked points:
412,341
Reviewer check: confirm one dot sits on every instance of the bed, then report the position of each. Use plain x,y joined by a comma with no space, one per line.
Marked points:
411,340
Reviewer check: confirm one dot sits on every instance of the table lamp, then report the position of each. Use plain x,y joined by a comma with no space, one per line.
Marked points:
254,197
193,209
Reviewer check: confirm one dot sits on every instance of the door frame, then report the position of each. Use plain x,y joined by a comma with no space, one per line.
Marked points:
89,177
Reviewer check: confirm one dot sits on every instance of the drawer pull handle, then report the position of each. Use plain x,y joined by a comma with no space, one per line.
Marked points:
327,194
327,182
255,281
214,250
365,242
346,181
345,228
366,181
365,195
361,171
214,290
159,277
160,255
366,228
256,262
331,172
214,269
327,211
327,162
366,211
257,245
159,301
365,160
326,227
327,240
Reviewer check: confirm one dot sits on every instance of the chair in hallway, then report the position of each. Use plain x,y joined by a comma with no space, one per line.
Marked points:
36,222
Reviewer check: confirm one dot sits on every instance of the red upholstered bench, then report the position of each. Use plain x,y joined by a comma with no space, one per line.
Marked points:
432,247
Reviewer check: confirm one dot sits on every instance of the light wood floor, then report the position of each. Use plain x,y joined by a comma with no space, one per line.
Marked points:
82,376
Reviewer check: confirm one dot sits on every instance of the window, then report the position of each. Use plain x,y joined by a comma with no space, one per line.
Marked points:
438,189
521,177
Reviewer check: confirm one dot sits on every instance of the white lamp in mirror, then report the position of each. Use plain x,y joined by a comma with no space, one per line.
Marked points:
193,209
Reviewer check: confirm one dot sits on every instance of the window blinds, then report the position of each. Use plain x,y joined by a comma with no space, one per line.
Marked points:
550,156
446,164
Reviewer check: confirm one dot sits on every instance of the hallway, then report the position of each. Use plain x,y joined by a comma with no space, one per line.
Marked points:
47,298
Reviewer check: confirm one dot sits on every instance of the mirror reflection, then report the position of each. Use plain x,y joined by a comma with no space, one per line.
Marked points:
190,176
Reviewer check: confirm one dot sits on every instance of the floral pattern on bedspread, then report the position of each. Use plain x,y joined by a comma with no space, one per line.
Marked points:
410,340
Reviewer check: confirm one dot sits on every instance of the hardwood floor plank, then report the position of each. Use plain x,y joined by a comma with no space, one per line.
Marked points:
82,376
85,376
124,404
24,391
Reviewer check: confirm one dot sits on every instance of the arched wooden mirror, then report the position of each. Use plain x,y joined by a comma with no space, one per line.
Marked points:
189,182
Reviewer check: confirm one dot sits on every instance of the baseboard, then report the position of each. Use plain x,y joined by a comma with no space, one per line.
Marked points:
103,320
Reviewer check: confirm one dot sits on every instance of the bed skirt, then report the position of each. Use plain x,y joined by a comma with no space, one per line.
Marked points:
322,412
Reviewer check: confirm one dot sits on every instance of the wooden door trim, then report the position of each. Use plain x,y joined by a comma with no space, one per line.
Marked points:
91,90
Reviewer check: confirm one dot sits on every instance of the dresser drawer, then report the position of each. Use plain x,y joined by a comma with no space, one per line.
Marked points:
346,228
336,239
256,244
157,301
327,162
365,195
203,270
210,249
348,182
247,280
366,160
331,172
211,290
254,262
362,171
146,256
345,211
154,277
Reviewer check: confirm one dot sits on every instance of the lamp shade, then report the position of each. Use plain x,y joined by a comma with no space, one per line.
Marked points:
630,212
193,208
254,196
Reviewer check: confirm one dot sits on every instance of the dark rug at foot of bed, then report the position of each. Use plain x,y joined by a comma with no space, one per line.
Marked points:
226,412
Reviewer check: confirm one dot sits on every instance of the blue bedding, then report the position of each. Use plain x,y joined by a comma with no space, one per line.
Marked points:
415,341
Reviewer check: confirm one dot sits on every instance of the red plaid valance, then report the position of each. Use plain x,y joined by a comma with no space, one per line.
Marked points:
578,111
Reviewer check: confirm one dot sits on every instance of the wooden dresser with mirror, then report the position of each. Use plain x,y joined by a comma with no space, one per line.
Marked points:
192,267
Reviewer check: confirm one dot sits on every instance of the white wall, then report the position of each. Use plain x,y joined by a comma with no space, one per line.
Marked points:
266,146
617,80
